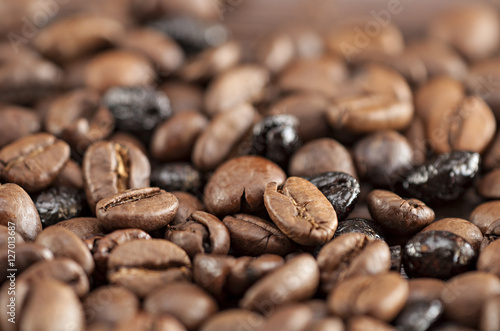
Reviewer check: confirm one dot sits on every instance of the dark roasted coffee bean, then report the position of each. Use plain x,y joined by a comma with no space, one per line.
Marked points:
438,254
398,216
276,138
396,257
177,177
188,204
425,289
234,319
352,254
17,208
83,227
460,227
58,204
110,305
301,211
16,123
490,314
138,110
491,234
381,296
444,178
419,315
254,236
147,209
231,188
110,168
33,162
361,225
341,189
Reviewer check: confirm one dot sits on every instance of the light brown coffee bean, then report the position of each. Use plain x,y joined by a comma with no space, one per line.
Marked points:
417,137
368,323
490,315
234,319
276,51
488,260
110,305
211,272
26,254
425,289
481,81
491,234
460,227
143,321
293,317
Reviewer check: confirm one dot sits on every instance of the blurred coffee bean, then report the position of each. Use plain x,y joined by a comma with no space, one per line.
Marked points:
419,316
425,289
275,51
416,135
26,254
361,323
71,176
482,81
210,271
490,314
233,319
58,204
17,122
488,186
491,234
183,96
436,95
110,305
143,321
293,317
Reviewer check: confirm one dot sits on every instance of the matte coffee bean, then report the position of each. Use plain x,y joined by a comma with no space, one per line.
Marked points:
381,296
183,96
58,204
491,234
210,271
71,175
234,319
361,225
490,314
327,323
352,254
341,189
26,254
301,211
17,207
425,289
489,260
174,298
110,305
460,227
419,316
254,236
328,155
110,168
147,209
177,177
398,216
17,122
488,186
33,162
438,254
188,204
231,188
444,178
83,227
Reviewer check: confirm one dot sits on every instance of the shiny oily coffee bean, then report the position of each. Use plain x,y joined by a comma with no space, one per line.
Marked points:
110,305
57,204
381,296
147,209
398,216
143,265
233,319
491,234
16,123
239,184
352,254
188,204
460,227
254,236
489,261
33,162
83,227
438,254
177,177
361,225
17,207
110,168
442,179
301,211
201,233
488,186
490,314
341,189
419,315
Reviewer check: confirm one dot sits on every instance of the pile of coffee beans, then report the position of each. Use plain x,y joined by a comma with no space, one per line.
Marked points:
157,174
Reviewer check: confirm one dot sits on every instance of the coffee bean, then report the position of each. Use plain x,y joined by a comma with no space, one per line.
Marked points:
293,317
361,323
17,207
110,305
83,227
71,175
254,236
26,254
481,81
349,255
57,204
438,254
4,236
488,186
327,323
143,265
146,321
188,204
297,280
490,314
444,178
110,168
233,319
239,184
398,216
439,93
183,96
174,298
17,122
301,211
177,177
460,227
425,289
381,296
488,259
361,225
419,315
147,209
491,234
33,162
276,51
210,271
328,155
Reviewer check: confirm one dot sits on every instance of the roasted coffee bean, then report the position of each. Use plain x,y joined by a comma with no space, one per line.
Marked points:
83,227
183,96
419,315
16,123
485,214
361,225
398,216
188,204
210,271
490,314
383,157
341,189
145,321
147,209
254,236
460,227
233,319
444,178
276,138
491,234
438,254
489,260
296,280
138,110
439,93
239,184
110,168
301,211
327,323
293,317
71,175
328,155
18,211
275,51
381,296
177,177
465,295
57,204
349,255
481,81
425,289
33,162
201,233
110,305
488,187
143,265
223,133
26,255
174,139
361,323
396,257
174,298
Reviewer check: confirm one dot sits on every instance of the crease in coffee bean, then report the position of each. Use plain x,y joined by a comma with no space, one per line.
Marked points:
120,201
122,167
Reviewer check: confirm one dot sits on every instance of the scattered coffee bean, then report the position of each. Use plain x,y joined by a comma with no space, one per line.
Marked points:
177,177
491,234
361,225
425,289
490,314
83,227
233,319
488,260
460,227
57,204
188,204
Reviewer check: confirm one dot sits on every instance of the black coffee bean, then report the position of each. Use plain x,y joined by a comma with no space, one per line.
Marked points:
341,189
419,315
360,225
442,179
138,110
58,204
177,177
276,138
437,254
